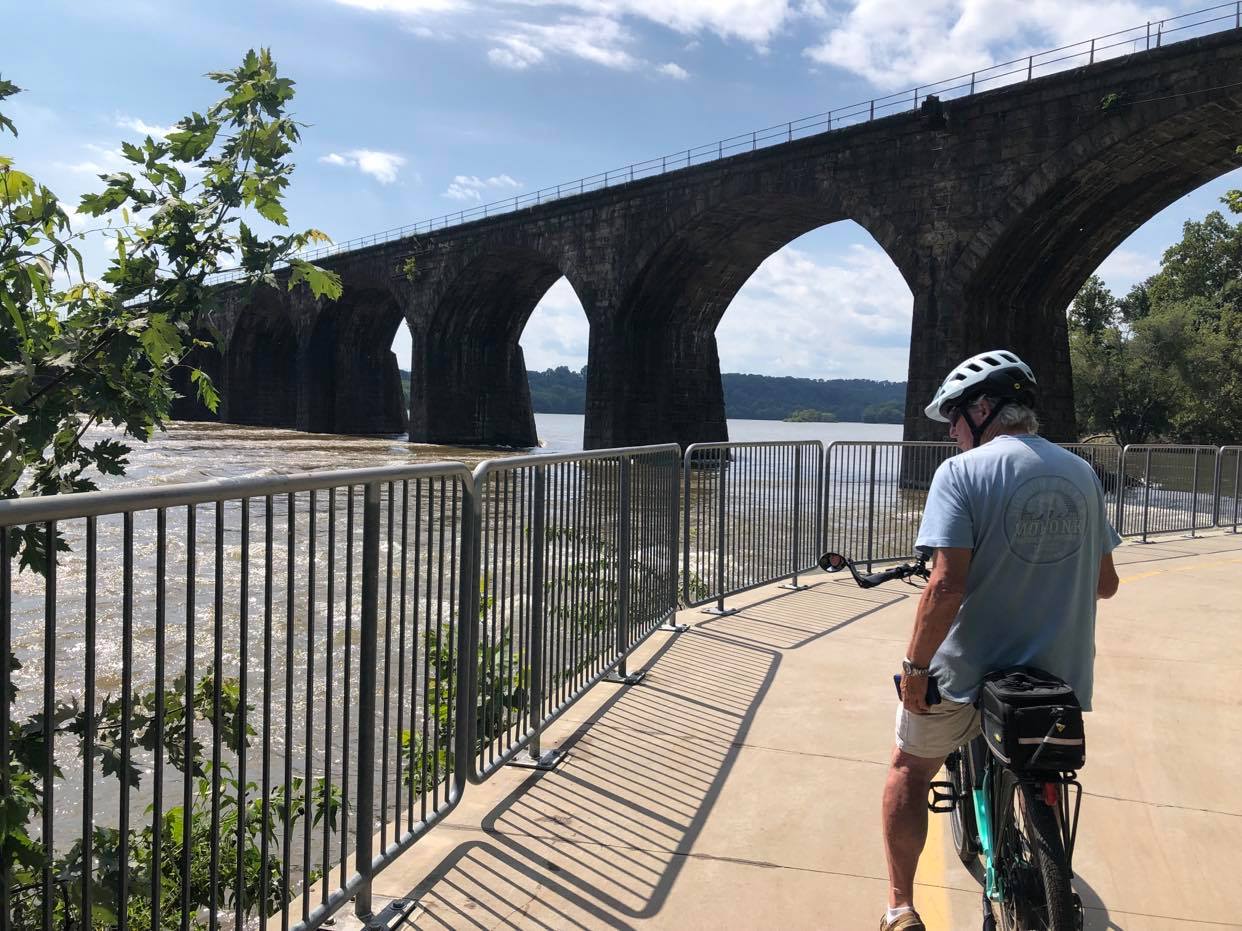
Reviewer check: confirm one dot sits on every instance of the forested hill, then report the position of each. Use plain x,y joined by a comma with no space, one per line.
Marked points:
751,397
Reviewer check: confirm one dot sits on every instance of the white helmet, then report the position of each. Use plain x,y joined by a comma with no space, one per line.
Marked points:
998,373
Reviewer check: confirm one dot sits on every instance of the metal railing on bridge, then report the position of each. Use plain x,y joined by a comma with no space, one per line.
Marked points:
1142,37
237,701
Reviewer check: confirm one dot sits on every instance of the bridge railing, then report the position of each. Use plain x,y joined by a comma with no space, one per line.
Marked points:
749,516
1229,487
1168,489
1142,37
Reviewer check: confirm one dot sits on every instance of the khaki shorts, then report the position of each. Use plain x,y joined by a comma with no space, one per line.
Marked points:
934,736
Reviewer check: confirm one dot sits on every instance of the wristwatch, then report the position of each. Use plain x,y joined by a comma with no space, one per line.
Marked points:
909,669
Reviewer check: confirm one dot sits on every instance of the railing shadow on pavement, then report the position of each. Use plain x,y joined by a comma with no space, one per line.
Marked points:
601,841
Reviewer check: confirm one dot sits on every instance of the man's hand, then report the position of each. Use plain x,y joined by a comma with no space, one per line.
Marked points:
914,694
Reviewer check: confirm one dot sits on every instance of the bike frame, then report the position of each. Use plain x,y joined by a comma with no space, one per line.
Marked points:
992,791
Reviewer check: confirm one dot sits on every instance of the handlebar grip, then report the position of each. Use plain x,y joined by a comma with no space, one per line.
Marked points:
879,578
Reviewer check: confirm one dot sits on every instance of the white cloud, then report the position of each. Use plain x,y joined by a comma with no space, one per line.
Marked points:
101,160
1127,267
814,316
469,187
557,332
408,7
597,39
673,70
895,44
142,127
382,166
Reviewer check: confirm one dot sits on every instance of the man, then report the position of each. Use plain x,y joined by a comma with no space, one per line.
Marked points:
1022,549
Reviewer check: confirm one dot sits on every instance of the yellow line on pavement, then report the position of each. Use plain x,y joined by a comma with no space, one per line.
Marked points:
1190,568
931,895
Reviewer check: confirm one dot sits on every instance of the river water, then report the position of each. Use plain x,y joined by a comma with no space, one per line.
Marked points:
189,452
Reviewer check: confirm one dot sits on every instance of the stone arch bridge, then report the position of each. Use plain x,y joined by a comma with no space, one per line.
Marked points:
994,207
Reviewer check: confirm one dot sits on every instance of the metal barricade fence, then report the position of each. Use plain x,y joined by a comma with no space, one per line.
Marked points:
1228,487
222,693
874,496
577,558
1105,461
1171,489
749,516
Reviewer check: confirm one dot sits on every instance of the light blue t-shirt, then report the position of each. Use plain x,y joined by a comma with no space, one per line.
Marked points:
1034,516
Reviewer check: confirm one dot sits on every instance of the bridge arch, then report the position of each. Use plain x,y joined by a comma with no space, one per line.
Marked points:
664,338
469,383
261,362
1019,272
352,380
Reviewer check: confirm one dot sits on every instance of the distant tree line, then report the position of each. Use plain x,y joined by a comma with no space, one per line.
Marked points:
1164,362
750,397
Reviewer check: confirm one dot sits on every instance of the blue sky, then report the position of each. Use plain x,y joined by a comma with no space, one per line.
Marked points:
422,107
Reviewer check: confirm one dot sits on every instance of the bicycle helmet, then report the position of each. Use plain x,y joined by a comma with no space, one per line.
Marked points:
998,374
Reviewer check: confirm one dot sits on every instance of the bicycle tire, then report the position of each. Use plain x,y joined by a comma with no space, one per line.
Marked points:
962,818
1031,864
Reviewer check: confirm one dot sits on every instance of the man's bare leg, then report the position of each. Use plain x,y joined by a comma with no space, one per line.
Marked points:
905,821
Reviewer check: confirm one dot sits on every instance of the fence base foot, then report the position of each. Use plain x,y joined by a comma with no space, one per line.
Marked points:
791,587
391,916
720,612
674,627
631,678
548,760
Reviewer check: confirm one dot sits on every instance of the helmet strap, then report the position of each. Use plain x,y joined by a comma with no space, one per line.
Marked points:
977,431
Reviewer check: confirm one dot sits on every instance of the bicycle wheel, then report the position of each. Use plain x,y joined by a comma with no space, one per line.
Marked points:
962,818
1030,863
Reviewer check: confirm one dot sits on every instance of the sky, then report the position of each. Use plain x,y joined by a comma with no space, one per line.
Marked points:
417,108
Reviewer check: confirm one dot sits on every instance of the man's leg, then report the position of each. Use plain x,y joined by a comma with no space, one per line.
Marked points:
905,821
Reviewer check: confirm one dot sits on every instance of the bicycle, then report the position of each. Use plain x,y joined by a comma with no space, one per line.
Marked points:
1015,813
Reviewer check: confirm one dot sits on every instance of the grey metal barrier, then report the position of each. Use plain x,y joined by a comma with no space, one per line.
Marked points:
875,494
1105,461
231,702
577,562
749,516
1228,487
1169,489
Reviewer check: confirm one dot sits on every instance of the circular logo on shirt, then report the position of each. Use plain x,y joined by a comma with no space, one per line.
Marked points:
1046,520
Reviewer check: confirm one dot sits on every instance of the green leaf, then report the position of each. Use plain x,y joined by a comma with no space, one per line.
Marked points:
161,339
133,153
206,389
15,315
322,282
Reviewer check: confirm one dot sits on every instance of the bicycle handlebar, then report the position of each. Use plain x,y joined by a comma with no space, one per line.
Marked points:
835,562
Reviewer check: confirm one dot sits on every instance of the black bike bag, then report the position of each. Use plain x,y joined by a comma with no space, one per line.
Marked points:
1032,720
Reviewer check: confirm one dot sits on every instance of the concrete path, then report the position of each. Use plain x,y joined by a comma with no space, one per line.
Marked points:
739,785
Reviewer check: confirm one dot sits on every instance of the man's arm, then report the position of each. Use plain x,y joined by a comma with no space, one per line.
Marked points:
932,619
1107,586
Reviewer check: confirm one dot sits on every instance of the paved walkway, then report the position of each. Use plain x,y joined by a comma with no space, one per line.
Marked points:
739,785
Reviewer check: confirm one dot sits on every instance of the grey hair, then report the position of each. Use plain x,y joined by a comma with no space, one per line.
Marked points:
1015,416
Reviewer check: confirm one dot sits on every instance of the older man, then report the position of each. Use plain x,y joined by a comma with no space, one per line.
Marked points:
1022,549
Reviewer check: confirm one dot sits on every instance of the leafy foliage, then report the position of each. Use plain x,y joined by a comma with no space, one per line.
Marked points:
76,352
1165,361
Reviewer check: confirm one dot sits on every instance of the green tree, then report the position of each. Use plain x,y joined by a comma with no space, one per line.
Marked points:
76,352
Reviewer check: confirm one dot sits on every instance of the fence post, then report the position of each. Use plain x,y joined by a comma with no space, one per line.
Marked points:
972,82
674,549
1237,469
871,508
622,675
1159,34
1216,486
1146,492
368,663
872,114
1030,66
1121,490
916,98
536,758
1194,496
1149,37
797,522
723,474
